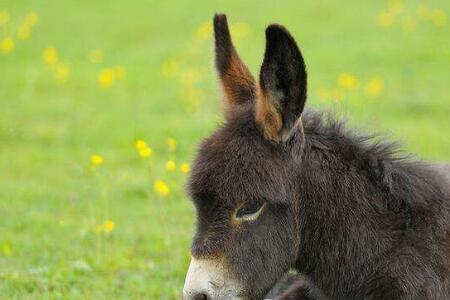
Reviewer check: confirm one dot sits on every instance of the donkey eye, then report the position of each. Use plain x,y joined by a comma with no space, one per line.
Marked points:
249,211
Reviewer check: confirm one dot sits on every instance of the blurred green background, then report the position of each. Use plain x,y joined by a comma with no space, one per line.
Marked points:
104,102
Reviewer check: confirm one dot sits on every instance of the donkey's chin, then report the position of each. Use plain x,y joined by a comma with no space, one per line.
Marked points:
209,279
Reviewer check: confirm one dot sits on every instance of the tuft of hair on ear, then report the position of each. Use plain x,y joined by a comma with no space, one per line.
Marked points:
236,80
282,86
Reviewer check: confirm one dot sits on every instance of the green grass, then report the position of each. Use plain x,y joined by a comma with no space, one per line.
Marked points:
51,201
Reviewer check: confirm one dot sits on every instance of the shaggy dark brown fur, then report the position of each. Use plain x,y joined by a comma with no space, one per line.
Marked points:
358,219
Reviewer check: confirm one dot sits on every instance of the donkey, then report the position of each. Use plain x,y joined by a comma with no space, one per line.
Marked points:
278,188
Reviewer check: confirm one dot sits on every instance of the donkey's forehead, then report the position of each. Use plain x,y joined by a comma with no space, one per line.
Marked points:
236,163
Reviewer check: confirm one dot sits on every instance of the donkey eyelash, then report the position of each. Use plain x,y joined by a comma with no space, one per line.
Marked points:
249,211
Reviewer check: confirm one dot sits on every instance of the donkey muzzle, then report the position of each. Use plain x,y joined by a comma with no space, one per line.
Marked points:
209,279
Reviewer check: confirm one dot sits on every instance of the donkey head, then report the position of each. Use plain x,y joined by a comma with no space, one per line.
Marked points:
242,182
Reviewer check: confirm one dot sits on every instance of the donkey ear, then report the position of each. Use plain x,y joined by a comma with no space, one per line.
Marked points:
282,94
237,82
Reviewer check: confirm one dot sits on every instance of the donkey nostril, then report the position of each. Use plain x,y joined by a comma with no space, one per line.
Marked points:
201,297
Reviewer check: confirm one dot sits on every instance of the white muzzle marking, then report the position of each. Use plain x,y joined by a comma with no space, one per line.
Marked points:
210,278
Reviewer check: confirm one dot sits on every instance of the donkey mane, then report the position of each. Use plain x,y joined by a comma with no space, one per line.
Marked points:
328,131
406,180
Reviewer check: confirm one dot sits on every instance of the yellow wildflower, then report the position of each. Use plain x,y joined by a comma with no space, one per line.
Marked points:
438,17
423,12
204,31
23,32
7,45
374,87
171,166
96,160
347,81
50,56
145,152
6,249
4,17
171,144
108,226
161,188
185,168
385,19
96,56
31,18
140,144
170,68
106,78
409,24
62,72
120,72
240,30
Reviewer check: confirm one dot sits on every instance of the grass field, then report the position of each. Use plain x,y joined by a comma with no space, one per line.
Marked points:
84,78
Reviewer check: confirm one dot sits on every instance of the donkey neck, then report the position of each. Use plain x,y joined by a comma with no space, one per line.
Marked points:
339,230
